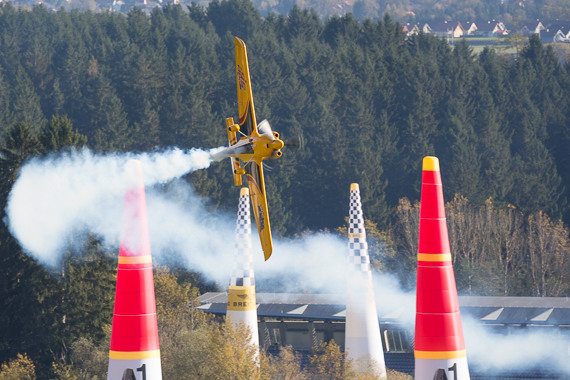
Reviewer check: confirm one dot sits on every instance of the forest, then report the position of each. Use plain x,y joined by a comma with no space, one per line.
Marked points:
369,104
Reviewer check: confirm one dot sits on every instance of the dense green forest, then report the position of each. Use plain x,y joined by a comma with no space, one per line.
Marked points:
368,102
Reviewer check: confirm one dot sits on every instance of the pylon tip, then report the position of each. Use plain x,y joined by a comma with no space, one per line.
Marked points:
354,187
133,171
244,191
431,163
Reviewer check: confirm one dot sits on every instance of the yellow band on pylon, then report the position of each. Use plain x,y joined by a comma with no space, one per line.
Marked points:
244,191
135,259
440,354
133,355
357,236
354,187
431,163
434,257
241,298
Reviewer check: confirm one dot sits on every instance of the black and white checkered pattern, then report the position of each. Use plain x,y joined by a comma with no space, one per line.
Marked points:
358,258
242,272
355,218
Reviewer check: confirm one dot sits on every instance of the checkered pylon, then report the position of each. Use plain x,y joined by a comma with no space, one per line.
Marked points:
242,305
358,258
362,332
242,272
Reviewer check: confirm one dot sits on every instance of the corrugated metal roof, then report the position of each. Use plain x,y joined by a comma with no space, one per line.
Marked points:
546,302
495,310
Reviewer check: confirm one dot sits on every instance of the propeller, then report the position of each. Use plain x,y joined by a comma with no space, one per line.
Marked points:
295,142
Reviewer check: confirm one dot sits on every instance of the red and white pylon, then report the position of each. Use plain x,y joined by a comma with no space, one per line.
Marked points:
134,352
439,348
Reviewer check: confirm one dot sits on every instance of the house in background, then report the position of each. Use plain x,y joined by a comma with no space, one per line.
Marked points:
447,29
528,27
470,28
490,29
415,28
549,31
457,29
555,31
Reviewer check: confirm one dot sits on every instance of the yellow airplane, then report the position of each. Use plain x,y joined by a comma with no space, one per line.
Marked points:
251,143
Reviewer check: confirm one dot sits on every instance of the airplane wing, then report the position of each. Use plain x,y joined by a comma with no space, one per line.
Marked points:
259,202
254,170
247,121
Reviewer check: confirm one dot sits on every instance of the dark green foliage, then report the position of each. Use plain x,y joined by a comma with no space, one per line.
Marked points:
88,292
368,103
538,185
20,143
58,134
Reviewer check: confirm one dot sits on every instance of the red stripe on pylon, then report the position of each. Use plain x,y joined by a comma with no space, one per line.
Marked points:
135,292
433,236
439,332
433,227
438,293
432,192
438,323
134,333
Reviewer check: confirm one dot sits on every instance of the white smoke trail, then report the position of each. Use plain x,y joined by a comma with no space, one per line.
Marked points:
179,225
57,197
182,231
518,349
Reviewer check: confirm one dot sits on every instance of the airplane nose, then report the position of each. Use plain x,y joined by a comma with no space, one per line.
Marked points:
277,144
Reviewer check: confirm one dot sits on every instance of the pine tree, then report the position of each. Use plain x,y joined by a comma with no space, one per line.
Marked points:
302,24
58,134
26,102
72,62
107,122
6,118
38,58
20,144
88,293
464,166
236,16
537,182
494,142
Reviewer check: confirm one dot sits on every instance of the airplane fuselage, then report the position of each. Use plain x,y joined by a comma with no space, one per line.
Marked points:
256,147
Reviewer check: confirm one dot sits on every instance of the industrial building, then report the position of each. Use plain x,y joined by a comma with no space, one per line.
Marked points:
304,320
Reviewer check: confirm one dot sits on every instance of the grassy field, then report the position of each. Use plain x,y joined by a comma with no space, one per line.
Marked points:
500,49
506,46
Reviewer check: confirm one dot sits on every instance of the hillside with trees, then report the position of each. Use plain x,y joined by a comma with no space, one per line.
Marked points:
368,102
425,10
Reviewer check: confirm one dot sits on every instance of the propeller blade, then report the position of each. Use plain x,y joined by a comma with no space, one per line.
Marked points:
294,142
